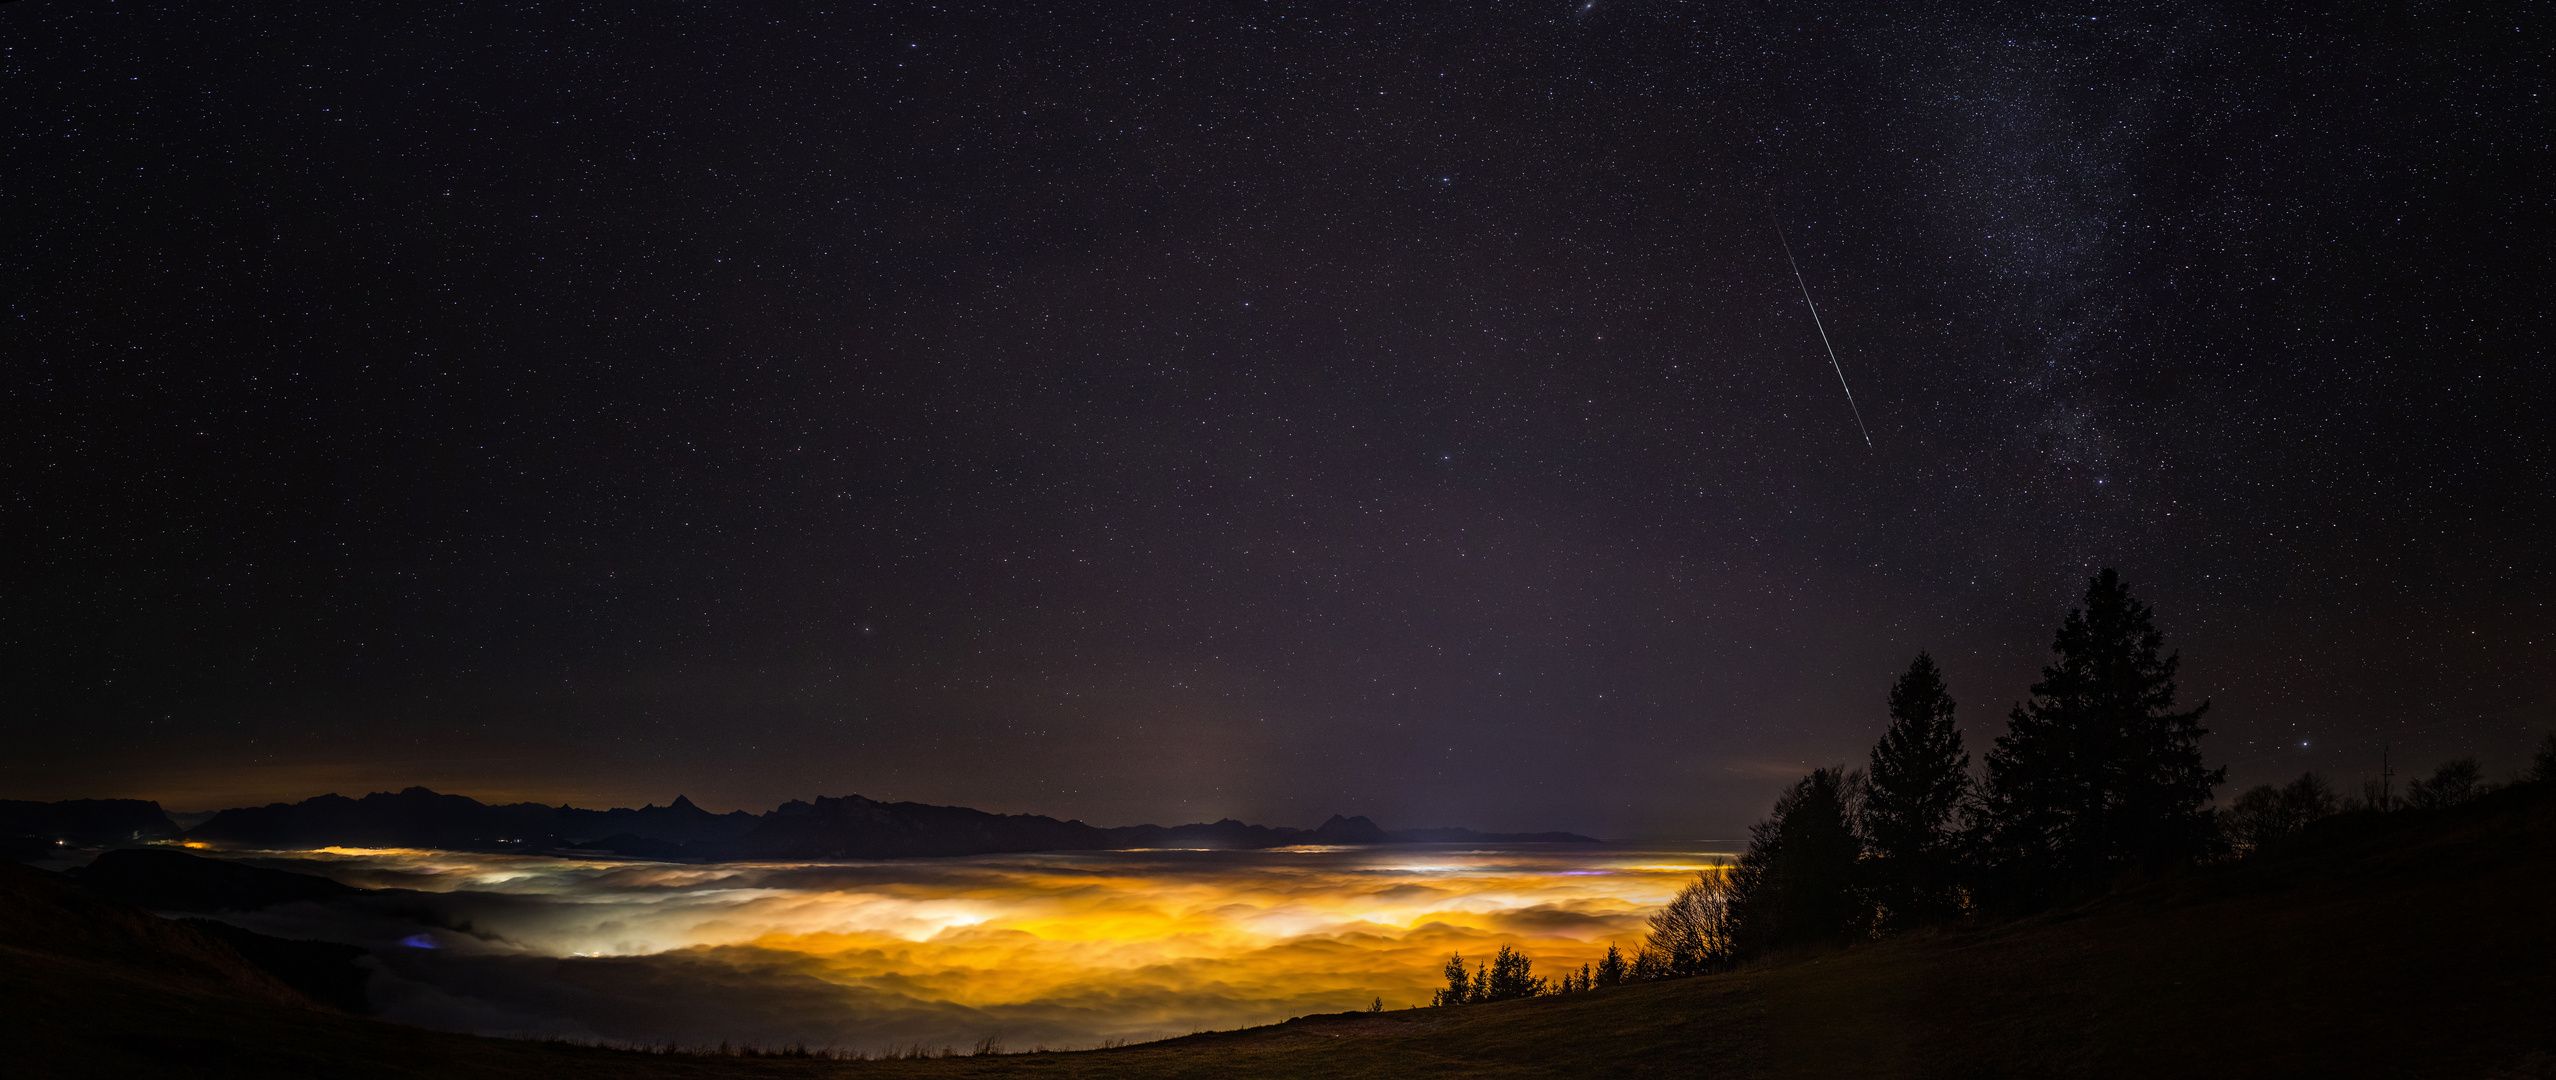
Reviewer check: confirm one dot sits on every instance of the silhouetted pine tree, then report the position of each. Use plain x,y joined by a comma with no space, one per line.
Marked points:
2542,762
1613,971
1796,883
1919,776
2097,773
1512,976
1459,983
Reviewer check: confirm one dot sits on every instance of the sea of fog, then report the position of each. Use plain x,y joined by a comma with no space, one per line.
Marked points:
1062,950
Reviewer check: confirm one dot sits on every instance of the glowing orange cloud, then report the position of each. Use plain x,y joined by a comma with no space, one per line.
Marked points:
1077,946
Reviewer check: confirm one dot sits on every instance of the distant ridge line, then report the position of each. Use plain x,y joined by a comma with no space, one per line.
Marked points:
846,827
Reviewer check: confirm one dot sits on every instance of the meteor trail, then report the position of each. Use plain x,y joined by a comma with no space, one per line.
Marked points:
1823,330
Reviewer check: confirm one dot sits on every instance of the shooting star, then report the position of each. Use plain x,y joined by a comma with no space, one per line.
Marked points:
1833,365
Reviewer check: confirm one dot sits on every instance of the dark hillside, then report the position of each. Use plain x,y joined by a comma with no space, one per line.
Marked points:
2395,945
2405,944
88,942
162,879
85,822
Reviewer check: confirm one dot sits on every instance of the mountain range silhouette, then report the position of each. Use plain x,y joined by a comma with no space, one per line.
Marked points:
848,827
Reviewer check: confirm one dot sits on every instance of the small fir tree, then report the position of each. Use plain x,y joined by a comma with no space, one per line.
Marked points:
1459,983
1613,970
1511,976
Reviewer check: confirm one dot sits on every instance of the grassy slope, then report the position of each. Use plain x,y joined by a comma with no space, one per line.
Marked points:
2405,947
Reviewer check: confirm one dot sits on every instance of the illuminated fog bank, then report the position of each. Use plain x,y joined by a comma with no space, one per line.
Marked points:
1063,950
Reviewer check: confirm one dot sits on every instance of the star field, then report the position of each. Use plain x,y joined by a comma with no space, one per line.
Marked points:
1250,409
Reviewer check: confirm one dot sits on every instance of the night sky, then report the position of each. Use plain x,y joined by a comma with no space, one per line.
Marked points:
1162,412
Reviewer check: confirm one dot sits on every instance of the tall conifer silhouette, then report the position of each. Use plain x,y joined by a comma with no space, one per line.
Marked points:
1919,776
1795,883
2098,772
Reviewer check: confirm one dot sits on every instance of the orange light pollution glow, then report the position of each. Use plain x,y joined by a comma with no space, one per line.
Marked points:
1061,949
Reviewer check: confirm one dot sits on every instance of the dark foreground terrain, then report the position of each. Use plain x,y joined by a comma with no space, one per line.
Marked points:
2400,945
